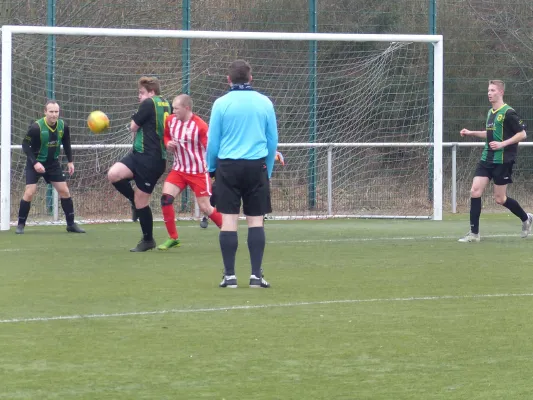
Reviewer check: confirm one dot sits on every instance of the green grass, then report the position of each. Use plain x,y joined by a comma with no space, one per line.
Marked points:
358,309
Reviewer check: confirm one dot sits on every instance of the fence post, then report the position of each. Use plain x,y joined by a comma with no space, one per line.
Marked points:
454,178
186,79
330,180
52,198
313,50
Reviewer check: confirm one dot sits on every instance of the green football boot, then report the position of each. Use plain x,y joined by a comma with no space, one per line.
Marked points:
169,243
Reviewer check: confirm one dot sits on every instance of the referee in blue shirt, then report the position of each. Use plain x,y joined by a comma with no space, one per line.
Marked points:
241,148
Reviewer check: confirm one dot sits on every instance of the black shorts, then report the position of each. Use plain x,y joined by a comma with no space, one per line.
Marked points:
246,180
52,173
500,173
146,170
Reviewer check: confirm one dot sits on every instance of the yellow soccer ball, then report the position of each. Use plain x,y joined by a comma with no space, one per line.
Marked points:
97,122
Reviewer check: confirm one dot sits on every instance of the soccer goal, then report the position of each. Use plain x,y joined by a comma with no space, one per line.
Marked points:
359,115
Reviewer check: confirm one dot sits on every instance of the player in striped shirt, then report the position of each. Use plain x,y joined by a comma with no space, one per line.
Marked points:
186,137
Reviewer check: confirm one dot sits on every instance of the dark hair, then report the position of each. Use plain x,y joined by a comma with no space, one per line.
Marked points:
151,84
240,72
51,101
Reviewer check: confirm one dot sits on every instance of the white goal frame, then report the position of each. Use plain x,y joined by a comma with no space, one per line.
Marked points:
9,30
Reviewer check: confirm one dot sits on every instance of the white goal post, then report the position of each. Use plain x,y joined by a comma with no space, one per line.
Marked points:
357,62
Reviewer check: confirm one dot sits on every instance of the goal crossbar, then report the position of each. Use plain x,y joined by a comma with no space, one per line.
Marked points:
191,34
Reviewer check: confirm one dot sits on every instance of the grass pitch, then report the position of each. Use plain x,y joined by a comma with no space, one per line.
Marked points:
358,309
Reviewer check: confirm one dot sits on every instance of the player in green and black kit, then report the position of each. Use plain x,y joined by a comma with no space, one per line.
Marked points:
147,162
42,145
504,129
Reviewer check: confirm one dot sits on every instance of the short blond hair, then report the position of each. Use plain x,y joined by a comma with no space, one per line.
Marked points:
184,99
498,83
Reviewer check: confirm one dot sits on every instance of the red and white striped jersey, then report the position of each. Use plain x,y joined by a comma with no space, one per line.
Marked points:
191,136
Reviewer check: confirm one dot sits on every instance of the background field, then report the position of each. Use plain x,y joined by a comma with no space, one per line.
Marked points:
359,309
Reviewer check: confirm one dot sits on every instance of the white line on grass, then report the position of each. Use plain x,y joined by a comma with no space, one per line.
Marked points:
376,239
337,240
258,306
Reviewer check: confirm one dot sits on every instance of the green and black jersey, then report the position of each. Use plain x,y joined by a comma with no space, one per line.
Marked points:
502,124
151,119
43,142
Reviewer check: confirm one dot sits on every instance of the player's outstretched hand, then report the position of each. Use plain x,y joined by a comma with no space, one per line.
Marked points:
465,132
39,168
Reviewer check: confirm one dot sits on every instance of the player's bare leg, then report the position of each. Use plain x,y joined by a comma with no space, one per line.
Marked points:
24,208
68,206
207,209
170,191
478,187
119,175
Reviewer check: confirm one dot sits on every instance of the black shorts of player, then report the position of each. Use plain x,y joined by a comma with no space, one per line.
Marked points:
52,173
501,174
146,170
246,180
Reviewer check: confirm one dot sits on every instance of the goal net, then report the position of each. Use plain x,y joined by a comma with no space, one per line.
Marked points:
357,114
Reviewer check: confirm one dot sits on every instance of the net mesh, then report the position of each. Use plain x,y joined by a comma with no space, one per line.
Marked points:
363,93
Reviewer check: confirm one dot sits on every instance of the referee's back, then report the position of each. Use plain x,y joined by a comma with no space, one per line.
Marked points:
242,127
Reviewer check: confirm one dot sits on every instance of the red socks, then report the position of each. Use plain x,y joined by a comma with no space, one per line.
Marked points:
216,217
169,216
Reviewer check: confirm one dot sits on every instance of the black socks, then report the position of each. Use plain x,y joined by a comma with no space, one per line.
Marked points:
256,246
515,208
68,207
24,210
475,213
147,222
124,188
228,246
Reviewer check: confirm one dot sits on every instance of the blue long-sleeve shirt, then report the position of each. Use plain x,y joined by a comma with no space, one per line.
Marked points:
242,127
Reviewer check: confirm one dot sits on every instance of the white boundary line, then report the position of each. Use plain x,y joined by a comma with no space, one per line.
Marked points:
339,240
259,306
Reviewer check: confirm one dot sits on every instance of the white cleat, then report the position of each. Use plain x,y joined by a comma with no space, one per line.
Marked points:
470,237
526,226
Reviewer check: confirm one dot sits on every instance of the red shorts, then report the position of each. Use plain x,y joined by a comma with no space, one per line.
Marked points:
199,183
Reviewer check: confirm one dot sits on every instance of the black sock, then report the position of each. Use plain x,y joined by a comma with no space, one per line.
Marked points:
68,207
475,212
147,222
124,188
24,210
515,208
256,246
228,246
